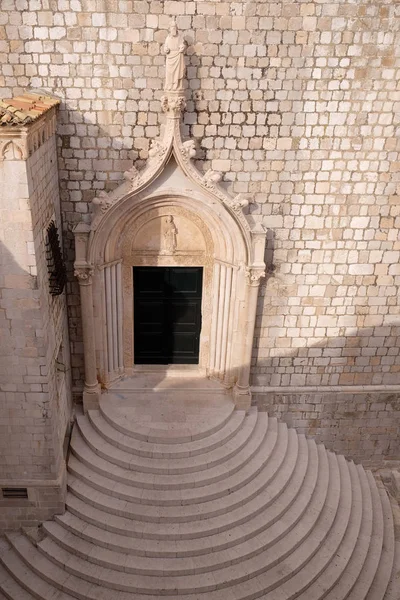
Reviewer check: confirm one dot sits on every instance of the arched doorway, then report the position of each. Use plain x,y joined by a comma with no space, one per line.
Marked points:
169,216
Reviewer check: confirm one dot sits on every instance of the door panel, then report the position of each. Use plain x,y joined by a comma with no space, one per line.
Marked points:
167,318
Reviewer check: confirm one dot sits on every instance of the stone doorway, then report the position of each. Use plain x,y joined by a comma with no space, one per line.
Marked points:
167,314
169,215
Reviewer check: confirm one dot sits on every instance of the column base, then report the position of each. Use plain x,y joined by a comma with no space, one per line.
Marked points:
91,398
242,397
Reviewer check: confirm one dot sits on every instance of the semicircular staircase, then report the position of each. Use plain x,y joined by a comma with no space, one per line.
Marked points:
221,504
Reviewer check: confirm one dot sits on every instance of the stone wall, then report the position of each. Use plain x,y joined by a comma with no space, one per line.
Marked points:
296,102
35,390
362,425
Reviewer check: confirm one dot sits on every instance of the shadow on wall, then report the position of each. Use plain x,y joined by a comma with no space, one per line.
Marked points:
364,356
27,326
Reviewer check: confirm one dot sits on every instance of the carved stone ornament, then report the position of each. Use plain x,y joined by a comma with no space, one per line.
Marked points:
131,174
12,150
101,203
240,202
157,148
189,149
171,141
211,178
173,105
253,276
83,274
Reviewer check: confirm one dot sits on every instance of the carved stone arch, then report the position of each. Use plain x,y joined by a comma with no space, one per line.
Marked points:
169,214
11,151
231,242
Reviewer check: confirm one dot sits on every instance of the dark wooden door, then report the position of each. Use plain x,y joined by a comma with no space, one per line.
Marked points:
167,314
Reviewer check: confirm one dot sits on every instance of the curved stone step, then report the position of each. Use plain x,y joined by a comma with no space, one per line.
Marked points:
117,498
233,504
272,505
269,515
269,560
23,583
169,466
270,455
42,578
215,420
153,480
340,574
288,532
382,579
360,570
10,588
228,532
292,580
153,450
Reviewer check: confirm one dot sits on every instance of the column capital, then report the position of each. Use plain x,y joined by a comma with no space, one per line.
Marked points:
84,274
254,275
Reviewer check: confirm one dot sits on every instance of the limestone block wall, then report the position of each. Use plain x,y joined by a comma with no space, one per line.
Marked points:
35,391
361,425
297,102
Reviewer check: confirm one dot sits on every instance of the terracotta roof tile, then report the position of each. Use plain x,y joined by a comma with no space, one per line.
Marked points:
25,109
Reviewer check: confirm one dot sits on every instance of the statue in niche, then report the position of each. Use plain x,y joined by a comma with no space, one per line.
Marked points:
169,234
174,49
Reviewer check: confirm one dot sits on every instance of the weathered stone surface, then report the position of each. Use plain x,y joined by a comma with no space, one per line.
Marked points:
35,394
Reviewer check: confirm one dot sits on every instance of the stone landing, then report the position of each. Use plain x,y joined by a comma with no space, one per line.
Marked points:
172,492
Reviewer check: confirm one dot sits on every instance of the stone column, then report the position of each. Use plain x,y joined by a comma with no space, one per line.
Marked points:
241,391
91,392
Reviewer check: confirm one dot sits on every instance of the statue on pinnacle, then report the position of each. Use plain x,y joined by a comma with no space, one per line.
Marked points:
174,49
